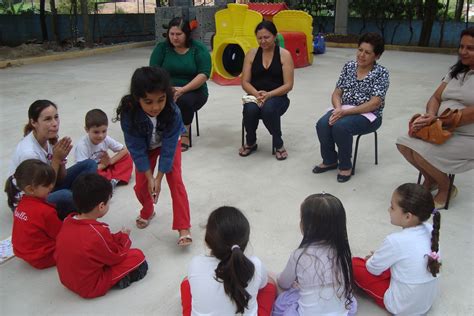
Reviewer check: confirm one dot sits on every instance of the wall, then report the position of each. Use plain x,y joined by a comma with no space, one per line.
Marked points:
109,28
402,34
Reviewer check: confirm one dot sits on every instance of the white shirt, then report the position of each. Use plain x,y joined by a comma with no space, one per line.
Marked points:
85,149
155,141
29,148
208,295
315,273
412,288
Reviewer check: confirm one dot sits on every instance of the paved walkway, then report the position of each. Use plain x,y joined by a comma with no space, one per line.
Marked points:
267,190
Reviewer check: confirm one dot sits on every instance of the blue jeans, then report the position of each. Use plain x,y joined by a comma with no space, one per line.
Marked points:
341,134
61,195
270,113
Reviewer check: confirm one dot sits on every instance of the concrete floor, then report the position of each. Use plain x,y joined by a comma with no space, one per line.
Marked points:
268,191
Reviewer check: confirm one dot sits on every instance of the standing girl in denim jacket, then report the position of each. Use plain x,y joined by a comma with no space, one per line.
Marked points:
152,125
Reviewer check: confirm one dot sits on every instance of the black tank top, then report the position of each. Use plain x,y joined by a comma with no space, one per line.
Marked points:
267,79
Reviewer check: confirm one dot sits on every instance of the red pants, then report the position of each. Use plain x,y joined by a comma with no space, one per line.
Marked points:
120,170
265,298
374,285
134,259
181,217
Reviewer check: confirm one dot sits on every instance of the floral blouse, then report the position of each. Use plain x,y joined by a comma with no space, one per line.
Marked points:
357,92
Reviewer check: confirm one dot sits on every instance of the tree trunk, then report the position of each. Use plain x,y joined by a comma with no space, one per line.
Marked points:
44,28
430,10
54,19
85,23
458,10
419,9
441,32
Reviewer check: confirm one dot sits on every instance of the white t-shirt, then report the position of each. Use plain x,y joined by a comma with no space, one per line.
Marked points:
85,149
29,148
412,288
315,272
155,141
208,295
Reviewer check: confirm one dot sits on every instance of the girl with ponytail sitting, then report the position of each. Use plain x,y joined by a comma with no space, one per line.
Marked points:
402,274
226,282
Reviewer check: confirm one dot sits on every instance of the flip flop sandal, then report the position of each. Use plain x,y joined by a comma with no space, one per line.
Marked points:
143,223
281,154
185,240
247,150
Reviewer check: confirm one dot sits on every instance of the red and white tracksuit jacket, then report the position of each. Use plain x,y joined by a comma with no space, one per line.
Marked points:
35,227
90,259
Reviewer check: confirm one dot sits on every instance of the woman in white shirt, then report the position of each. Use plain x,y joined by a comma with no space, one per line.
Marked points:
402,274
226,282
41,142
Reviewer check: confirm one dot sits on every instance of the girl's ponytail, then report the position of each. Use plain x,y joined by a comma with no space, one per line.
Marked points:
235,272
433,258
12,191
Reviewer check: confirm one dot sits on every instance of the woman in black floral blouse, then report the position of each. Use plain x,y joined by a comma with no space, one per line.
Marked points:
358,102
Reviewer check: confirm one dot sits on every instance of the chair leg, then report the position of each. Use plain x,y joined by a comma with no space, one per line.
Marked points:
419,178
243,133
450,188
376,149
355,155
197,123
190,135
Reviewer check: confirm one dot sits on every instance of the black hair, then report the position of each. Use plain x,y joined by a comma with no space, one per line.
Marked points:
183,25
459,67
267,25
374,39
89,190
34,111
226,227
32,172
148,80
96,118
323,221
417,200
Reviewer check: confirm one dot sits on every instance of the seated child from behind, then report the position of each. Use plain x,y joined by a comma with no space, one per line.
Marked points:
95,145
90,259
35,221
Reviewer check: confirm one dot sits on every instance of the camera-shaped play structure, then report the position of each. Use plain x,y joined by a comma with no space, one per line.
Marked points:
235,36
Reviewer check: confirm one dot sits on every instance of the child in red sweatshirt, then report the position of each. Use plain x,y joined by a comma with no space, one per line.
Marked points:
35,222
90,259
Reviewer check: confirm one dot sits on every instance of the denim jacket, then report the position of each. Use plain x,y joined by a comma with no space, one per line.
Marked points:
138,139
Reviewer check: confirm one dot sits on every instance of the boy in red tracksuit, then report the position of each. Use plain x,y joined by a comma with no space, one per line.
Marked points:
90,259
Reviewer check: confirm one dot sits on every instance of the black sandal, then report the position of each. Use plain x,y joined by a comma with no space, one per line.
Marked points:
184,147
247,150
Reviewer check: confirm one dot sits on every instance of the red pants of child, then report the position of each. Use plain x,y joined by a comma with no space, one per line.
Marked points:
121,170
265,298
374,285
181,217
134,259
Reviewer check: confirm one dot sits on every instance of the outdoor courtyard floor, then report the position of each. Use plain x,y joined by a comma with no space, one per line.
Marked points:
268,191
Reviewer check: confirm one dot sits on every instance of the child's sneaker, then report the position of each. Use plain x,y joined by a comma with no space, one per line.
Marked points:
124,282
139,273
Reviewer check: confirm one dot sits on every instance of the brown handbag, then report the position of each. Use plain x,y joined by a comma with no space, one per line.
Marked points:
439,130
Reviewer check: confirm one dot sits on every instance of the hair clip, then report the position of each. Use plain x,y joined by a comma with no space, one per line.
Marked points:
434,255
193,24
15,183
323,192
233,247
435,210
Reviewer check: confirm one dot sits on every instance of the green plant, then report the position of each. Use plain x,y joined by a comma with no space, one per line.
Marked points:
8,7
65,6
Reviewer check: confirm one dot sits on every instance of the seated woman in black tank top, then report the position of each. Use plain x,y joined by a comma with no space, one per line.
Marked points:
268,76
